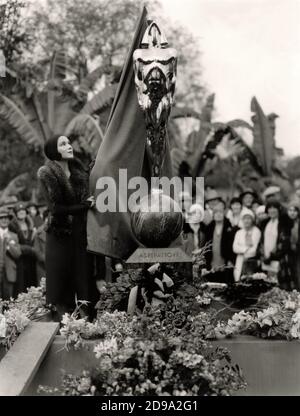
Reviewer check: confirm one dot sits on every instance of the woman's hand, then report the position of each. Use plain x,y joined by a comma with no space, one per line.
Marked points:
92,201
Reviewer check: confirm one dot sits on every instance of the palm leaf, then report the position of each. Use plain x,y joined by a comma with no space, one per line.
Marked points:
58,65
239,123
10,112
89,81
181,112
88,131
14,187
264,142
100,101
196,161
56,75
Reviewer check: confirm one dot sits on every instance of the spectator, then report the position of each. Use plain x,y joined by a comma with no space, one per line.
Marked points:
23,226
261,215
40,247
212,198
293,212
192,233
248,197
32,210
234,213
275,245
10,251
219,260
245,245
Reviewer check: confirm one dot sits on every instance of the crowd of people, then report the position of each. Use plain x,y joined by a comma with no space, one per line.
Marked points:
250,234
253,233
22,246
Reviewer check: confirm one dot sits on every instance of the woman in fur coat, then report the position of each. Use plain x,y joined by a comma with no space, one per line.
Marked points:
65,184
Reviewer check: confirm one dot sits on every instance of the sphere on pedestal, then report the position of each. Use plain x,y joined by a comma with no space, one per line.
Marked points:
157,221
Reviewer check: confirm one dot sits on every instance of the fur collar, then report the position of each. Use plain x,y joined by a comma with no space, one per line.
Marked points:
62,189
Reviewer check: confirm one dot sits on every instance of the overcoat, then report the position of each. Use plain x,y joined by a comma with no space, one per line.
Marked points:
68,272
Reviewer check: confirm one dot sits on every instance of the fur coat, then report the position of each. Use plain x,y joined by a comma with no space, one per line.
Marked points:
65,197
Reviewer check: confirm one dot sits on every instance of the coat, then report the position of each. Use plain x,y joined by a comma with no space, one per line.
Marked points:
67,266
8,263
282,250
40,247
26,263
243,252
226,241
227,236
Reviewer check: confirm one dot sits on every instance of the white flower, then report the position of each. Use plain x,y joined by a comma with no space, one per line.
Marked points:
106,347
2,326
289,304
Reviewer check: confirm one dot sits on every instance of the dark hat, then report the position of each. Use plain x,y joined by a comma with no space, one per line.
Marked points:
20,206
4,212
273,204
50,148
235,200
248,191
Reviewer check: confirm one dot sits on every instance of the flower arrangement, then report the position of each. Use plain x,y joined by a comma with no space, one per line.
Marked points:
157,367
163,351
75,330
279,318
15,314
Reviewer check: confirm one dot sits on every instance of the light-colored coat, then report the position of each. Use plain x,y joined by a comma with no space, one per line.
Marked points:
243,252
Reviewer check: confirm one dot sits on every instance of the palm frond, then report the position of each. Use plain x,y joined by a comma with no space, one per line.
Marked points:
88,131
10,112
100,101
182,112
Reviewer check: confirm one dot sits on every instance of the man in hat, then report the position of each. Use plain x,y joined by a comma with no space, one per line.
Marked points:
10,251
10,203
212,198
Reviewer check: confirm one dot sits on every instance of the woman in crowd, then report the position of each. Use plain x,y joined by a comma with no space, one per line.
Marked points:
234,213
65,184
275,244
245,245
293,213
248,197
261,215
23,226
192,232
220,258
33,213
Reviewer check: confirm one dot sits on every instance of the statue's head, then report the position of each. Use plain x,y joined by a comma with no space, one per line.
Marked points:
155,72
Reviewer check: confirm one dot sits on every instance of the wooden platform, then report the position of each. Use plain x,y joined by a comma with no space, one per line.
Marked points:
21,363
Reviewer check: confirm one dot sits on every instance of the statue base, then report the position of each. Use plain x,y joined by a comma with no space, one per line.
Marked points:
143,256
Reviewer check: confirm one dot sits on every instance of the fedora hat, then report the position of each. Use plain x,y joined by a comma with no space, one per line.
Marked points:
4,212
212,195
